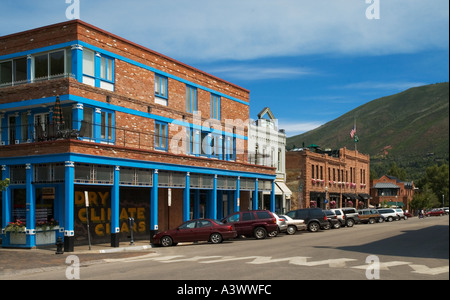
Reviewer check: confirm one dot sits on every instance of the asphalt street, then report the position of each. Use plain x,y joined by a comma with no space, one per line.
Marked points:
415,249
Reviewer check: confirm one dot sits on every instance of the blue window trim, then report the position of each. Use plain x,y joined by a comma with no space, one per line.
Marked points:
159,79
215,107
191,104
160,137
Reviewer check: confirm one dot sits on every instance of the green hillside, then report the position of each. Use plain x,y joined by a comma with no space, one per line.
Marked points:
410,128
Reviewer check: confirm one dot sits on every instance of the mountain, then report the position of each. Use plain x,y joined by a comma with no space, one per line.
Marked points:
410,128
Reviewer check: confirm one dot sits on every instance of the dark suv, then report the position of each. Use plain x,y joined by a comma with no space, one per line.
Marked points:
314,218
257,223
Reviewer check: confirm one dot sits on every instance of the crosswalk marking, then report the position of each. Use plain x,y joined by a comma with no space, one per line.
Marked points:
295,260
421,269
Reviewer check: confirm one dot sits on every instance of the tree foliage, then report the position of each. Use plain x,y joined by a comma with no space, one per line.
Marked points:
436,180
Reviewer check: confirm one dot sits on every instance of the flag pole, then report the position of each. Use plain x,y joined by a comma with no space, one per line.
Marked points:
354,140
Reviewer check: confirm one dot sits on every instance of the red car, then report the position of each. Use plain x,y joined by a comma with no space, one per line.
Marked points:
196,230
435,212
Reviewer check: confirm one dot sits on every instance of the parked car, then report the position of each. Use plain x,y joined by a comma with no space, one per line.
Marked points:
282,225
314,218
370,216
388,214
446,210
332,219
196,230
293,224
435,212
401,214
257,223
347,215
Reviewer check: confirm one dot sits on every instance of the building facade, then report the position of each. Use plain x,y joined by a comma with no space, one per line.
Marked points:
329,179
391,191
96,128
267,147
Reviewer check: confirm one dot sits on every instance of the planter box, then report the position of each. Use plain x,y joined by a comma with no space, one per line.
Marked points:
43,237
46,237
17,238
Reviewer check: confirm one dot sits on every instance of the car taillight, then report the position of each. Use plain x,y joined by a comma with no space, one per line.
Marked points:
343,217
274,221
230,228
325,218
281,220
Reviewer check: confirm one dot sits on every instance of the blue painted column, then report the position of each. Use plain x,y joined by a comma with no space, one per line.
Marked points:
272,197
77,62
154,206
6,199
214,199
237,199
98,59
186,199
97,124
30,208
77,115
255,196
69,194
115,228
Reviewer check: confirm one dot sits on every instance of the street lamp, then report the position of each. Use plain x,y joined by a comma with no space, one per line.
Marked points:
326,196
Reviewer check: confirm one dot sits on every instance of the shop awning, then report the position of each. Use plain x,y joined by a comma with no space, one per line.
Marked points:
364,196
349,196
283,188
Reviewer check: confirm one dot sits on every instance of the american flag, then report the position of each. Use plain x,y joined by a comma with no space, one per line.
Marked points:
352,133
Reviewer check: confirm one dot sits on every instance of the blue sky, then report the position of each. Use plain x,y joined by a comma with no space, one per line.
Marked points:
309,61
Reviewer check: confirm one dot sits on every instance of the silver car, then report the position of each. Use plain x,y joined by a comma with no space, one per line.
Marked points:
293,225
282,225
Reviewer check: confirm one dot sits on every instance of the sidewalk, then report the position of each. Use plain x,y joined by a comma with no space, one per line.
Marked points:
20,261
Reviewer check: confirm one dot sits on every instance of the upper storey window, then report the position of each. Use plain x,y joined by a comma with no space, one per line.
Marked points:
13,71
98,70
36,67
191,99
49,65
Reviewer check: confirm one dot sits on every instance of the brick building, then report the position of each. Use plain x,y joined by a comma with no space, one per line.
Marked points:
341,177
84,112
391,191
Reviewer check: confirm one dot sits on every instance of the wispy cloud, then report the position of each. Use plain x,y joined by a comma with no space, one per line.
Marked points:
371,85
248,72
295,127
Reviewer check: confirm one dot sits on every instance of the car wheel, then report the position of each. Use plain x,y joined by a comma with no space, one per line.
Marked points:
337,225
405,218
291,230
260,233
350,223
371,221
380,220
166,241
390,219
274,233
313,227
216,238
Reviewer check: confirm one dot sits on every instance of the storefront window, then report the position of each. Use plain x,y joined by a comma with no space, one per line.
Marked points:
19,205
